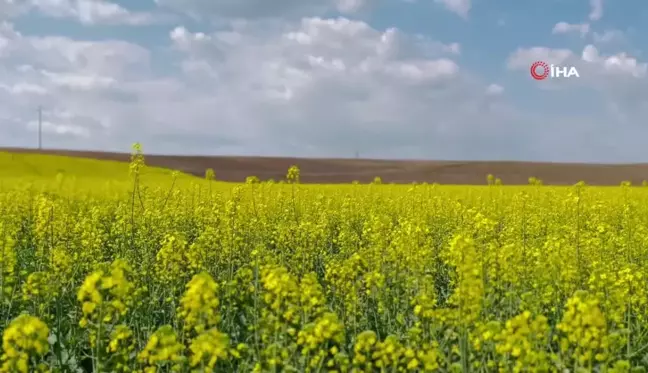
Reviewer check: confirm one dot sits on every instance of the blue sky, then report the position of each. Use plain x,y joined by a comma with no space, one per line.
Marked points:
435,79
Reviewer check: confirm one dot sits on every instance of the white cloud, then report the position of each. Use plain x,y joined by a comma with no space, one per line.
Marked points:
590,58
620,63
522,58
565,28
607,77
350,6
292,79
257,9
454,48
84,79
460,7
226,10
114,58
92,12
495,89
12,8
625,64
24,89
596,12
59,128
590,54
601,111
79,81
608,36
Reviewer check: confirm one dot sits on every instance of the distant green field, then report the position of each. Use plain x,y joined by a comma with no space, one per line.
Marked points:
19,169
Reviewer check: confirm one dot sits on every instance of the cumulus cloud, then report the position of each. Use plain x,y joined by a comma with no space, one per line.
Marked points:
596,12
90,12
494,89
595,67
226,10
83,79
608,36
460,7
260,9
565,28
19,89
328,82
12,8
617,82
522,58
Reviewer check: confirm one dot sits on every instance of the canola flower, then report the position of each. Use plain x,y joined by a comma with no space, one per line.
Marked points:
163,350
24,342
285,277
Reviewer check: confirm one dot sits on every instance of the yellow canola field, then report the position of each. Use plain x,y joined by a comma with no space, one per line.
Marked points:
182,274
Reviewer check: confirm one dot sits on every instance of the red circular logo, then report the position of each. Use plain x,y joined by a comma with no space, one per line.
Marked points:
539,65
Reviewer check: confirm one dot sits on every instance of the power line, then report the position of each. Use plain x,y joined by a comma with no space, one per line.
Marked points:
40,128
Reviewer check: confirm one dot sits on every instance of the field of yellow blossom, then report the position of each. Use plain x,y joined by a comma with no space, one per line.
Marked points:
202,276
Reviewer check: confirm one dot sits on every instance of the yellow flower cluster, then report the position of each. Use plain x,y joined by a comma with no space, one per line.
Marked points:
106,298
584,330
163,350
199,304
523,340
24,340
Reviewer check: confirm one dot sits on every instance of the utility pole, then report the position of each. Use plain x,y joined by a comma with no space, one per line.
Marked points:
40,128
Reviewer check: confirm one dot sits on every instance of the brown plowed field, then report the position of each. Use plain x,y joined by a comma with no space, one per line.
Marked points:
234,168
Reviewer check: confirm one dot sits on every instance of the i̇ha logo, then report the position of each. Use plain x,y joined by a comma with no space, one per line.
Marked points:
541,70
